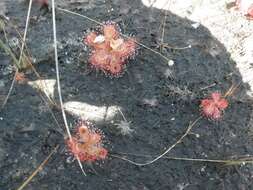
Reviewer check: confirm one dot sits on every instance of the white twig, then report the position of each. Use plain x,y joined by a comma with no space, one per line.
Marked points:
228,162
57,73
25,33
58,81
167,150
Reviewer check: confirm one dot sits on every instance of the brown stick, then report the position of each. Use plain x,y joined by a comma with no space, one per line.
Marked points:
29,179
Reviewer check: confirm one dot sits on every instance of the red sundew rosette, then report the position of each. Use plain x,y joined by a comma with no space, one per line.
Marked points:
90,41
126,49
214,106
86,145
86,153
115,64
111,53
106,61
110,32
112,60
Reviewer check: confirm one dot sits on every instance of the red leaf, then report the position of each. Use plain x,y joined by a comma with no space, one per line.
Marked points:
212,107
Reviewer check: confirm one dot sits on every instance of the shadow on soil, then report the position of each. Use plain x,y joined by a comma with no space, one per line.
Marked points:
160,106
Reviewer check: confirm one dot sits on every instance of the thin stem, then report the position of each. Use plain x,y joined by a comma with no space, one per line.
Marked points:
25,33
77,14
232,89
9,52
10,89
29,179
100,23
227,162
51,112
25,46
21,54
188,130
58,82
58,73
163,31
122,115
176,48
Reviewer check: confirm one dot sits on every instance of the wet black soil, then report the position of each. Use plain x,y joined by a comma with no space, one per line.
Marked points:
28,132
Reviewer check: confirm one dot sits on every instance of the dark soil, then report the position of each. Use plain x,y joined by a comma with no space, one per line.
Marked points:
28,134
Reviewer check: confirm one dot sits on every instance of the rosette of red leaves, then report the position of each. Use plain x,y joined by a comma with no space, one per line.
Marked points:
110,51
214,106
86,143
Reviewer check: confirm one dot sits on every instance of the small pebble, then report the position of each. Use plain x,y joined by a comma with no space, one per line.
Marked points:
195,25
170,63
